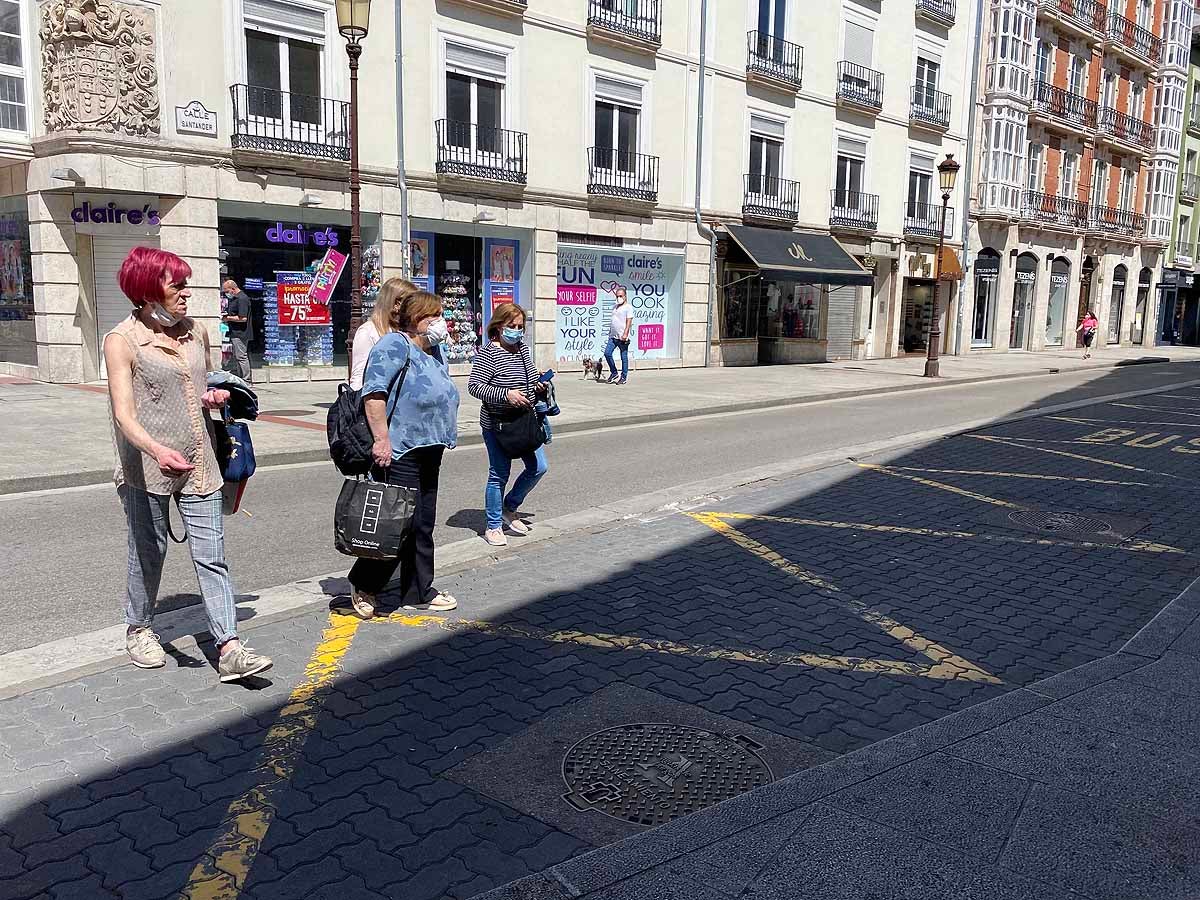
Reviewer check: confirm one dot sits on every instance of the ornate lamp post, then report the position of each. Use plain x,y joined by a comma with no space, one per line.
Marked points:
353,18
947,173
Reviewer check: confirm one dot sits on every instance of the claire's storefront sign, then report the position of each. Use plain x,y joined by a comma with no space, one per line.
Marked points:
301,236
105,214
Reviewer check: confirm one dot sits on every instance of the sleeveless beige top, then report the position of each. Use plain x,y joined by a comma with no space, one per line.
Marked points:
169,378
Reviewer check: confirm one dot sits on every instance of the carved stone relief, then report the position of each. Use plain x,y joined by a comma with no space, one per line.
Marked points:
98,67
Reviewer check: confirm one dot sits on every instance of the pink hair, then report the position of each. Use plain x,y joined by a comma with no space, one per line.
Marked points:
142,273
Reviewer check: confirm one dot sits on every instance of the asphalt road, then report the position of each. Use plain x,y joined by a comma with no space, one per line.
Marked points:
63,560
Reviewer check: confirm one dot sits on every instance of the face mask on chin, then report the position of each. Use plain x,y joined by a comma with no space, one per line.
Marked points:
163,317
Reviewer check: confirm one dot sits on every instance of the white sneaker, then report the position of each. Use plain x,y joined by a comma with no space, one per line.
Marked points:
362,604
144,649
515,525
495,537
241,663
441,603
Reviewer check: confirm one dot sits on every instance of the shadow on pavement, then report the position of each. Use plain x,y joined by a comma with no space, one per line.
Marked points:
766,632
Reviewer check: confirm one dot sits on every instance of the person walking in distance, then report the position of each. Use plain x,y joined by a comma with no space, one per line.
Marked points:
1087,332
619,327
408,448
504,380
157,363
384,319
237,317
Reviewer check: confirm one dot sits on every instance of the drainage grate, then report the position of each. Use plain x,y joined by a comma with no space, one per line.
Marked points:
1060,524
649,774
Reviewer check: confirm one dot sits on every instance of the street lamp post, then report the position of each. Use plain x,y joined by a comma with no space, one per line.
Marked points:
353,18
947,173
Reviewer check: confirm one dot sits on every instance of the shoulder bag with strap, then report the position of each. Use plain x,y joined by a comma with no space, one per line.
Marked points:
347,428
522,435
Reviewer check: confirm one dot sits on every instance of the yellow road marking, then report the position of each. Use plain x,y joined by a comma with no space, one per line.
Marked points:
223,871
1159,409
601,641
1031,475
1080,456
953,489
948,665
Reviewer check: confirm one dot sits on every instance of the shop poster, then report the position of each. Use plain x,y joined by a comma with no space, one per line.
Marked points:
329,272
588,281
421,247
292,291
501,280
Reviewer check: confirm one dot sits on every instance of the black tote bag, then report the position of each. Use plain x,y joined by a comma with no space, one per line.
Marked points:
372,518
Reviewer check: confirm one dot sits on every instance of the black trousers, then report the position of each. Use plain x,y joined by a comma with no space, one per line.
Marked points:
418,469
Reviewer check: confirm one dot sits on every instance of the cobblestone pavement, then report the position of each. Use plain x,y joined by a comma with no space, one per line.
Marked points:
422,757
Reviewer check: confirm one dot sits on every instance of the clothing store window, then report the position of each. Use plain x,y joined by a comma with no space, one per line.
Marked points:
987,279
1056,309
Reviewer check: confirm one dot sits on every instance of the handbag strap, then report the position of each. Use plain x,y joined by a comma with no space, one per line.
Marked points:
397,383
170,530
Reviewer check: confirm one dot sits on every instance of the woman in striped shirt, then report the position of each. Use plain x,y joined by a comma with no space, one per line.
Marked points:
504,380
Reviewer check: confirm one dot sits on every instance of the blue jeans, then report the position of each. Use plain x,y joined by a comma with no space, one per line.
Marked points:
499,468
623,346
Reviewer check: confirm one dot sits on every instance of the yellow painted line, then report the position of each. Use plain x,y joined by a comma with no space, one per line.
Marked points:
940,485
1158,409
948,664
1136,546
225,868
1080,421
602,641
1067,453
1032,475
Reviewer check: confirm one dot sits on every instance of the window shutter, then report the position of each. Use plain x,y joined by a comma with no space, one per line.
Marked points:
768,128
467,60
285,18
614,91
851,147
859,39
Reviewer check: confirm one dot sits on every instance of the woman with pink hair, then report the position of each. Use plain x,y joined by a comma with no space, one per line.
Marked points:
157,363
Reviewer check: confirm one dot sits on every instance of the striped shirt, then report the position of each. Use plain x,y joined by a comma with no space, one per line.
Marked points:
495,372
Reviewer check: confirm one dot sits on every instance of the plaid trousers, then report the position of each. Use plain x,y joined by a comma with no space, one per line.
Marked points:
147,515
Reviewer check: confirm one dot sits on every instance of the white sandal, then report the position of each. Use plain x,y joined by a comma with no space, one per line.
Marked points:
362,604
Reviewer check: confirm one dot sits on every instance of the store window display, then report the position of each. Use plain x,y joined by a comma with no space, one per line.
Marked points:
18,340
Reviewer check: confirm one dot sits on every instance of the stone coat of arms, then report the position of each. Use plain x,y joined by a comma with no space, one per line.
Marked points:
98,67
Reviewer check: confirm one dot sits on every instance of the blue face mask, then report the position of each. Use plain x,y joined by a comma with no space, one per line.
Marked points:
512,335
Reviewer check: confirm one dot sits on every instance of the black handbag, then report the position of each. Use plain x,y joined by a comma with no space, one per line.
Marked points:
520,436
371,518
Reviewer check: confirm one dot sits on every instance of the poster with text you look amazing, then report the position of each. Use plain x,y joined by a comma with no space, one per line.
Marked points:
588,280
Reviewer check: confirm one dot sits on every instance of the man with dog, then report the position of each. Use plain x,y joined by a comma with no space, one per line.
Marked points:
619,327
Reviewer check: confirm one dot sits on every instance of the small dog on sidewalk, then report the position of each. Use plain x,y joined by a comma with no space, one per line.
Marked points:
592,368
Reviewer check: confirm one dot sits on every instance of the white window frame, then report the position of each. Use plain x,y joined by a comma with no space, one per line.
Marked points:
1128,193
1137,100
1037,60
335,82
509,109
1071,183
1099,190
864,19
789,16
1035,157
858,138
645,107
23,71
777,123
1076,67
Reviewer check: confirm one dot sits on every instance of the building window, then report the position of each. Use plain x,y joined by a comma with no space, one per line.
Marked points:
766,156
618,110
1145,13
1099,183
1108,93
1044,58
1069,182
926,86
1078,75
772,17
1183,242
1033,168
860,44
987,280
851,166
1137,101
1128,189
279,67
475,103
12,69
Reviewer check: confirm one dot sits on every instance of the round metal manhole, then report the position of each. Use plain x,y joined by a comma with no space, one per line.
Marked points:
1061,524
649,774
289,413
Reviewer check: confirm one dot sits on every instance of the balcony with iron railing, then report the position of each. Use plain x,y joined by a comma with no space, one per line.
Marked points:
859,87
940,12
853,210
271,121
478,151
930,109
771,199
1135,42
1073,110
1125,129
1189,186
925,220
622,175
1193,122
1051,209
627,23
773,60
1086,17
1123,222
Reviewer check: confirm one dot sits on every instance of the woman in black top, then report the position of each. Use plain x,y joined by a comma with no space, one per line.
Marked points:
504,379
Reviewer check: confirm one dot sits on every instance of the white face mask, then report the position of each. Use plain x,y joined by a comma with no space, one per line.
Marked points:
166,319
437,332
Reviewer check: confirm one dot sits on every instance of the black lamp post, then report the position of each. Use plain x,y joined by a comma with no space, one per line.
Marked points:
353,18
947,173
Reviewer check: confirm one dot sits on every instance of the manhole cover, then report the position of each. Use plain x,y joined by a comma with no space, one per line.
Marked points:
286,412
1061,524
649,774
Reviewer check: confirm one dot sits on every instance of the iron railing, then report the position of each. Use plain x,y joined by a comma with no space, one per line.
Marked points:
771,198
925,219
1054,210
1194,116
640,19
1134,37
774,57
1189,186
941,11
930,107
480,151
1116,221
860,85
1089,14
283,122
853,209
1126,128
1074,109
619,173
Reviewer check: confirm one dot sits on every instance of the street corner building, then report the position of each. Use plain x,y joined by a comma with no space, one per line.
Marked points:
760,178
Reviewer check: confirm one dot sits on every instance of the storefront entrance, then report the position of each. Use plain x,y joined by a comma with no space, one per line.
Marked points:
1019,331
918,315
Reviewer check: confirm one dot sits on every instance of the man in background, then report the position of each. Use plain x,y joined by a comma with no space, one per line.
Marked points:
237,318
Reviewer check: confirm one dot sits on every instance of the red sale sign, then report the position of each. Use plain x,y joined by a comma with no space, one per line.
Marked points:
295,305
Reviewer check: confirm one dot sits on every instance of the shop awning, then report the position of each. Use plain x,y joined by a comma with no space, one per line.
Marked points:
799,256
949,269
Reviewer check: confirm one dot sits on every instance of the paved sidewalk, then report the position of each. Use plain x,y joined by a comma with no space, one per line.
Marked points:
58,435
865,662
